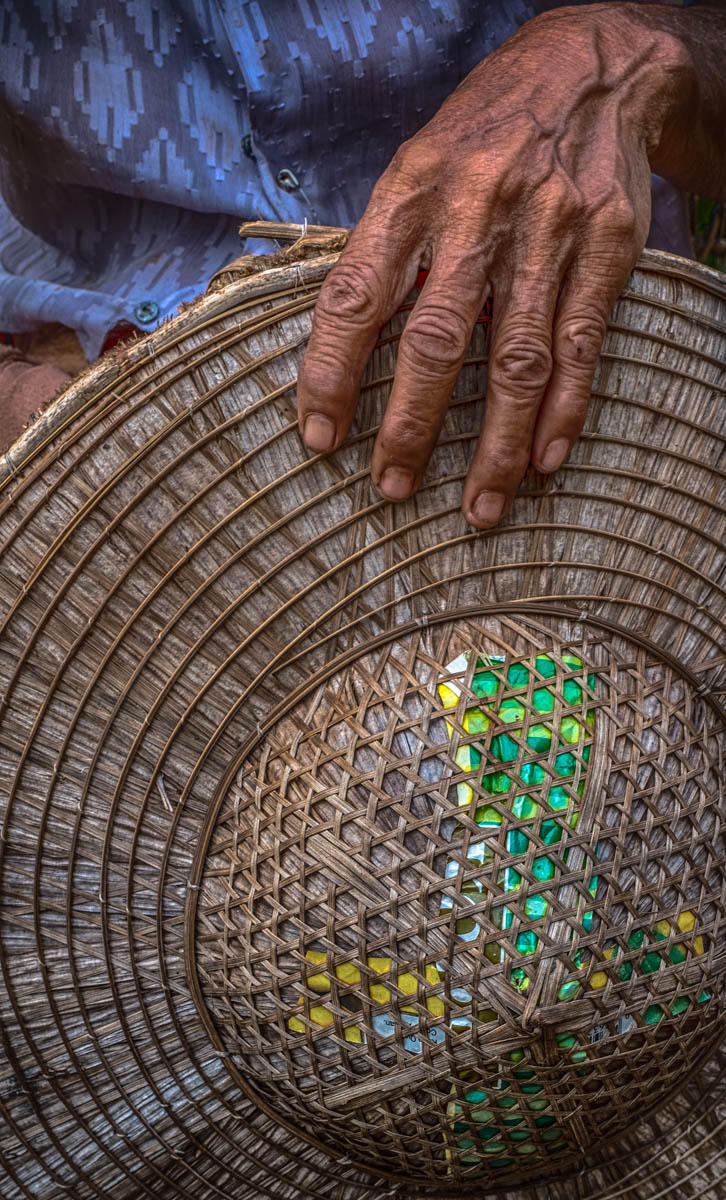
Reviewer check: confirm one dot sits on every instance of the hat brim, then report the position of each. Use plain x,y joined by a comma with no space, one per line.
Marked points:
173,562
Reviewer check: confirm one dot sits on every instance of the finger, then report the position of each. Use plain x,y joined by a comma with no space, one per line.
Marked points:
587,295
520,364
373,276
430,354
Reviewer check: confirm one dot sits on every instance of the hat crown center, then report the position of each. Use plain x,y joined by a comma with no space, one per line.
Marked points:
456,908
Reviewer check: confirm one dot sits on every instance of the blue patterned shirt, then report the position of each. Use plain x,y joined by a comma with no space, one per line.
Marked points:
136,134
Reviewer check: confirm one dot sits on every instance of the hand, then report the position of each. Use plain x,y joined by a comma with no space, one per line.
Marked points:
532,182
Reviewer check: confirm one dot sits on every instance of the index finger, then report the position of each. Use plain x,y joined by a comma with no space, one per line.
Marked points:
372,277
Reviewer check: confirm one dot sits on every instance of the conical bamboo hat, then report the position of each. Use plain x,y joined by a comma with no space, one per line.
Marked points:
347,851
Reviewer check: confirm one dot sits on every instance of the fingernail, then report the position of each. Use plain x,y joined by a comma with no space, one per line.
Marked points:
319,432
396,483
555,454
488,508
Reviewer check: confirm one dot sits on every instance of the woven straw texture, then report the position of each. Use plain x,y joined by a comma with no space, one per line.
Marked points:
346,851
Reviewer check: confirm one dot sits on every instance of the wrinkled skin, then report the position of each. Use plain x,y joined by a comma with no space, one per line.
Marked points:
532,182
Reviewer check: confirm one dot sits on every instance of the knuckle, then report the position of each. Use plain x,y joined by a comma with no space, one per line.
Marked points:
564,200
408,433
521,362
579,339
435,340
506,464
415,171
500,466
351,291
409,162
401,159
617,220
622,221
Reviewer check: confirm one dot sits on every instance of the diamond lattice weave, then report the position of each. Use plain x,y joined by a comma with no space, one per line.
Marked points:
462,913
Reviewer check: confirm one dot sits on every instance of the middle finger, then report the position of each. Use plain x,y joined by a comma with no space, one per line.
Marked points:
430,355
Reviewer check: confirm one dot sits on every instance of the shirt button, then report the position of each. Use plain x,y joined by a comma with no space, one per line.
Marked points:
146,312
288,180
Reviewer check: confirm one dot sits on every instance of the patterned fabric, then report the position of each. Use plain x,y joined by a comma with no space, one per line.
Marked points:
135,134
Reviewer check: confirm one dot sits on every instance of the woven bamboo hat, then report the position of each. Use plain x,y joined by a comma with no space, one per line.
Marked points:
347,851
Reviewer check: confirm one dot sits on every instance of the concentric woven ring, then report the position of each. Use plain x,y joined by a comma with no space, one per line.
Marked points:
171,562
